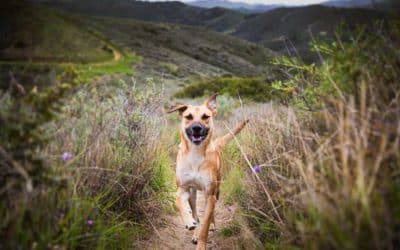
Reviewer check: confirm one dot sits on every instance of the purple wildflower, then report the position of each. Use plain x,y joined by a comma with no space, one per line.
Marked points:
90,222
229,208
257,168
66,156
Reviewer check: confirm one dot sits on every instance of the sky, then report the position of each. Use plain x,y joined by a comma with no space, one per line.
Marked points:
288,2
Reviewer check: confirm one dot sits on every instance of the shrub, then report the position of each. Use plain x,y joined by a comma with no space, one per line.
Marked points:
252,88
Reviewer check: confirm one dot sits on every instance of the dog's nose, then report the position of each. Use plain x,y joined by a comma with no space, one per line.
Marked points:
197,128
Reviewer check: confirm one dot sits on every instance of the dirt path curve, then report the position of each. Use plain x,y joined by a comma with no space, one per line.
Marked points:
173,235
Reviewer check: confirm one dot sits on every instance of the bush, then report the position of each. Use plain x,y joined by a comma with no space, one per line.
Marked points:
251,88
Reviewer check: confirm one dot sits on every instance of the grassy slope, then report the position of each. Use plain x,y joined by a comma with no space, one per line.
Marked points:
30,32
156,41
270,29
38,44
46,36
170,12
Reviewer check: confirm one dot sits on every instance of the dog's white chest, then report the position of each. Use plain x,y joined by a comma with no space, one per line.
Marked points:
189,174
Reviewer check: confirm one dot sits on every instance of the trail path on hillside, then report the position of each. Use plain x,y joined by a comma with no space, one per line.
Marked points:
173,235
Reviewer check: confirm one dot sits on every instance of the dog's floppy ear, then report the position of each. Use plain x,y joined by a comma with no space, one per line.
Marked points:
179,107
211,103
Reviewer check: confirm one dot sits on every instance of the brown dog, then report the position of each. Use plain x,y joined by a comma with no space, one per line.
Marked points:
199,165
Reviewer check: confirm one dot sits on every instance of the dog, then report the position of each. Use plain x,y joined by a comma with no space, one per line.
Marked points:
198,165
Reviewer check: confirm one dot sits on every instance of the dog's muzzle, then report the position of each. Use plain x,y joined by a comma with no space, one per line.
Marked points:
197,133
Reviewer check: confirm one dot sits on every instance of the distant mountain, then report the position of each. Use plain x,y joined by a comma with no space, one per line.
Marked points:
218,19
239,6
290,30
350,4
285,30
37,33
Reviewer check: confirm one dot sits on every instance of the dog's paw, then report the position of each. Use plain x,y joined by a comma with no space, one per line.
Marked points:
191,226
194,240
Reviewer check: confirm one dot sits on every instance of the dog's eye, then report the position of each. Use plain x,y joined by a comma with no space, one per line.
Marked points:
205,117
189,117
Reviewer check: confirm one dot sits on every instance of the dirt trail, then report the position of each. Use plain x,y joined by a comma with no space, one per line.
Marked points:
173,235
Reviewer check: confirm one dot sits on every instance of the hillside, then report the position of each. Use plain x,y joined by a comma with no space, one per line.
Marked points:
218,19
42,39
29,32
285,30
239,6
290,30
185,46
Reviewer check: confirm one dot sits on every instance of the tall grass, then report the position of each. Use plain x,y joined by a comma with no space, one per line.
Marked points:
329,178
104,151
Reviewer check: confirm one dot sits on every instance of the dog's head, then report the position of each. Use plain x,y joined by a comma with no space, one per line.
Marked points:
197,121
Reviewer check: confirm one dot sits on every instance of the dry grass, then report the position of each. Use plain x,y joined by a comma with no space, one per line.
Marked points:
329,180
113,134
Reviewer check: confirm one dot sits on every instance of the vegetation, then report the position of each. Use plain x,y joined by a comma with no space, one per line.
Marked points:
251,88
102,174
328,179
87,162
44,35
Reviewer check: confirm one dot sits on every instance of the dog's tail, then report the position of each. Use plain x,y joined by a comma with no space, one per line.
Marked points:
223,140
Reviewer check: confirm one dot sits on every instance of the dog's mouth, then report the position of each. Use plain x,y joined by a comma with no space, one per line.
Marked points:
197,137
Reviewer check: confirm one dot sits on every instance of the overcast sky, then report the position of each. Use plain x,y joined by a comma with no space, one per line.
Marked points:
288,2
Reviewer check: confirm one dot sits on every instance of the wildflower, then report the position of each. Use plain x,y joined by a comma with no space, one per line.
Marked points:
257,168
90,222
229,208
66,156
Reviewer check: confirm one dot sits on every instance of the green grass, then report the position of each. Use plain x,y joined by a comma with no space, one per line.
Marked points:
88,72
233,186
71,72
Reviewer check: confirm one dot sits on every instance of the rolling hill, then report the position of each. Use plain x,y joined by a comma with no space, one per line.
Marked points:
218,19
285,30
36,39
189,47
239,6
290,30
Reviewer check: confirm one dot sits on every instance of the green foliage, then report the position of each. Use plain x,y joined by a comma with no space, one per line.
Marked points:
25,174
368,56
251,88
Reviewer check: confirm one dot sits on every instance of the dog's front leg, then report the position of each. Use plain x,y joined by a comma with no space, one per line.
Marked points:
203,234
182,203
192,203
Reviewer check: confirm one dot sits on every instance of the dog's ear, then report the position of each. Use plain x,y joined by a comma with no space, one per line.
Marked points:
211,103
180,107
